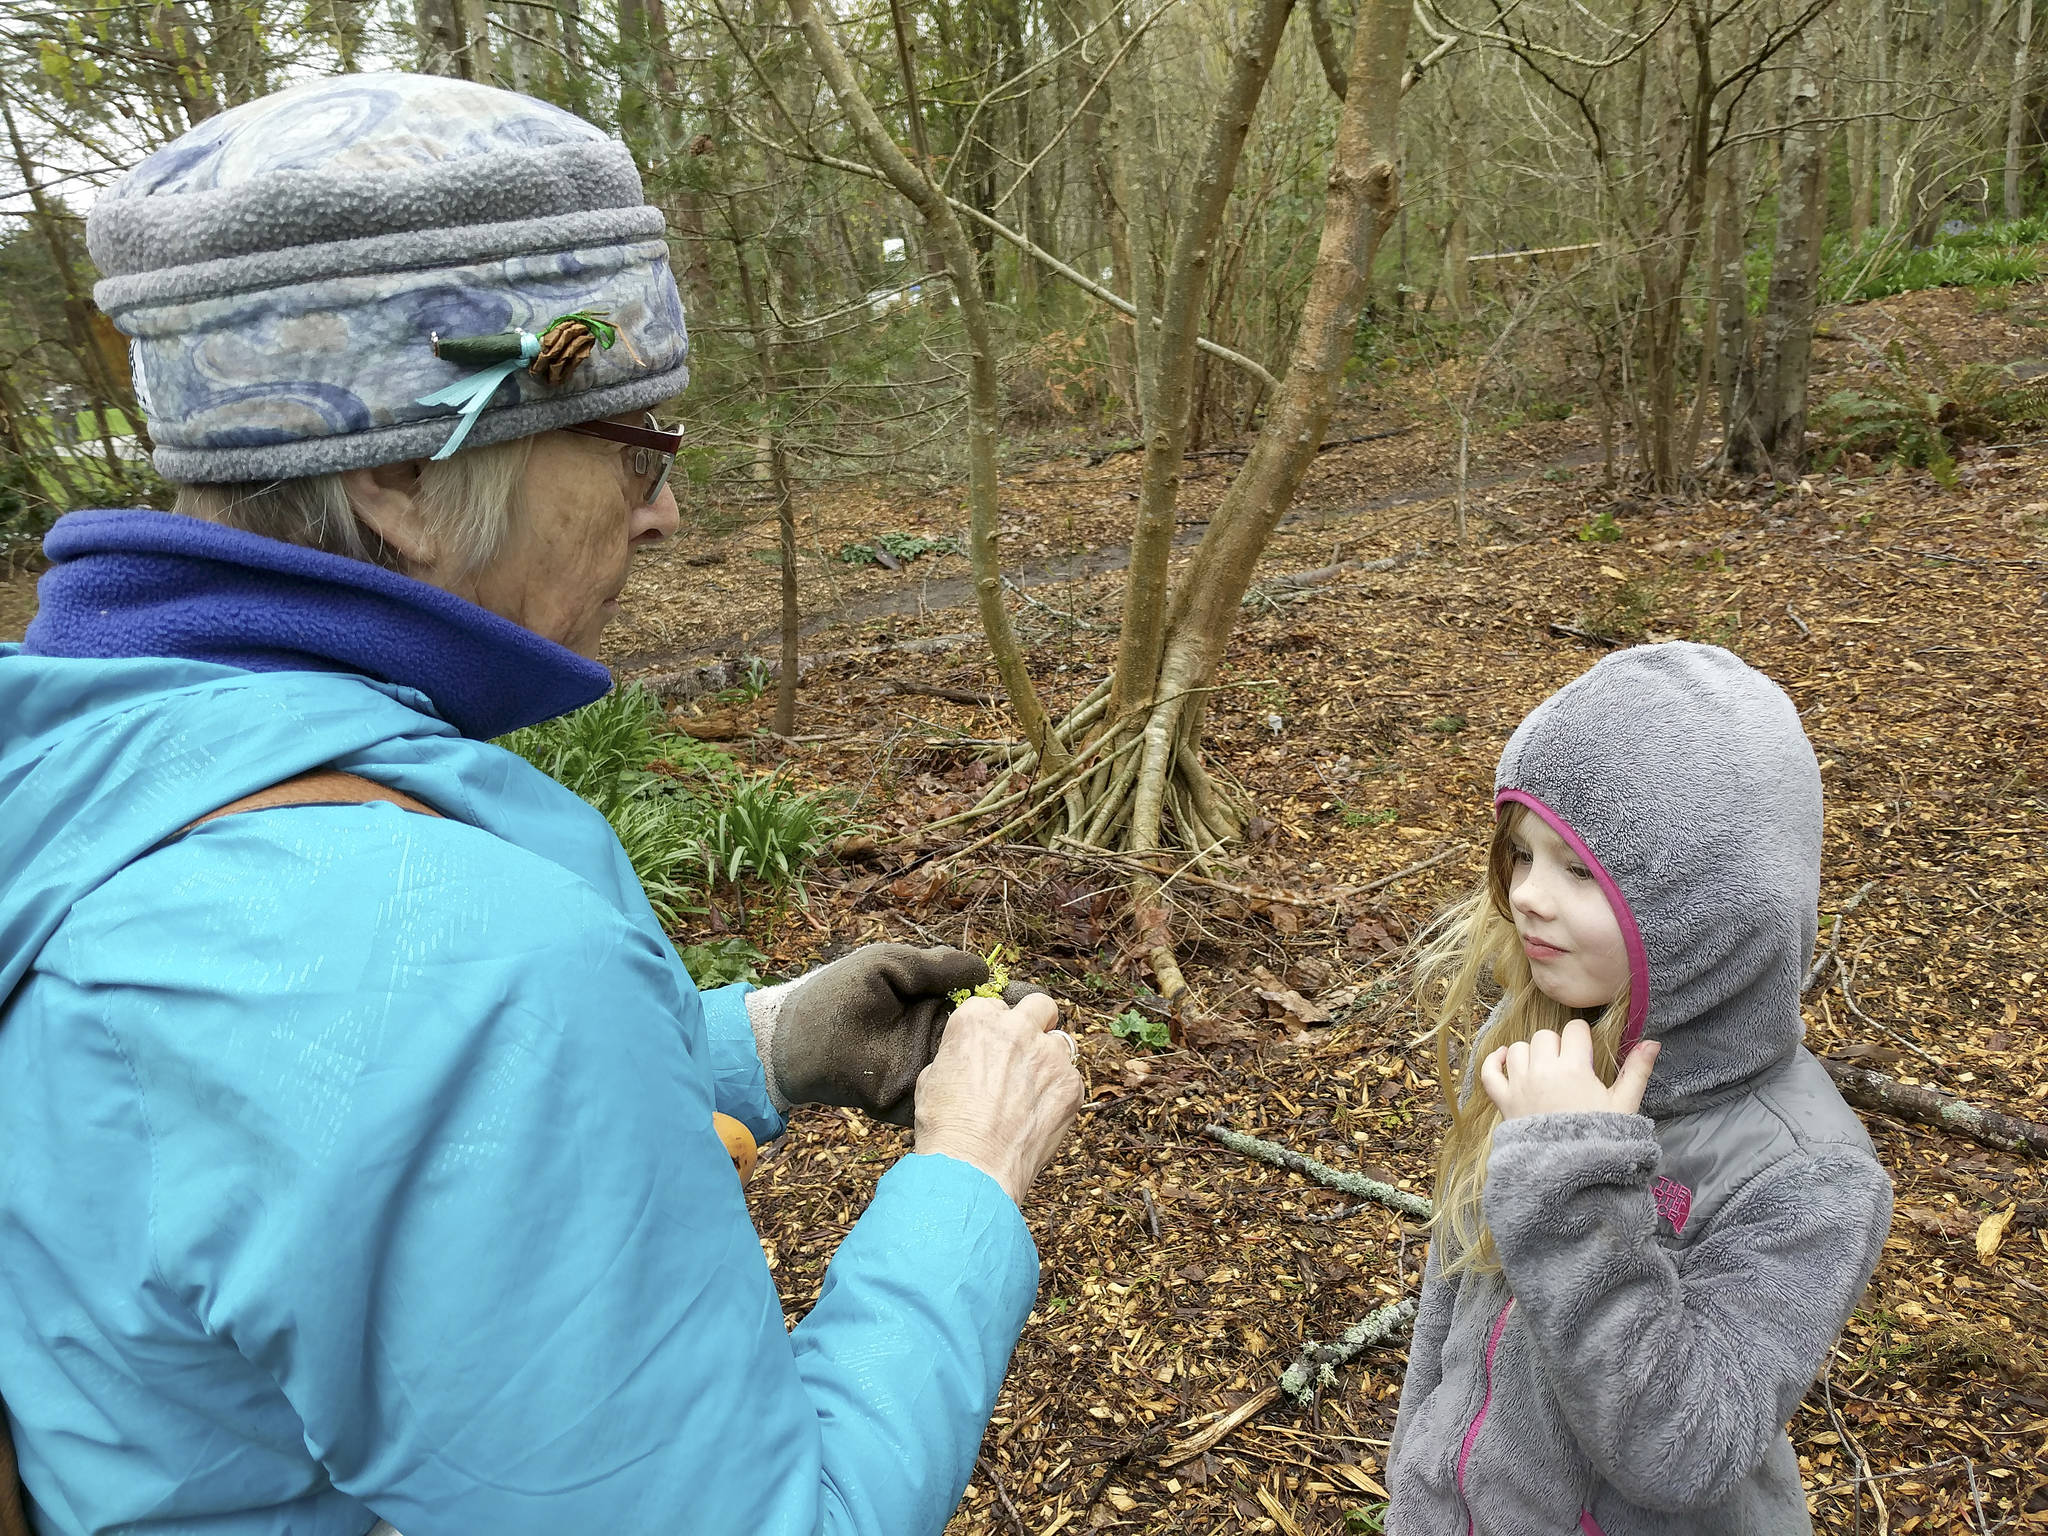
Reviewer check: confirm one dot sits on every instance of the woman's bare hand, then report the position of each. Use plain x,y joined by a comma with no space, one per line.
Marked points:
1001,1093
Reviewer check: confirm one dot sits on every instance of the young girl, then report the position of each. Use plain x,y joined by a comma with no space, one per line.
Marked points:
1654,1212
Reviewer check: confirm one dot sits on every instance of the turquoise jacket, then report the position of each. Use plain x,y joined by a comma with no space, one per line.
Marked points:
356,1163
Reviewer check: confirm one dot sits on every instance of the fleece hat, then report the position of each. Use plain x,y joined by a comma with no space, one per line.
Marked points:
1681,775
349,272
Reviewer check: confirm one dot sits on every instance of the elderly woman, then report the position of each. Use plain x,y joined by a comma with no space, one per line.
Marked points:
358,1150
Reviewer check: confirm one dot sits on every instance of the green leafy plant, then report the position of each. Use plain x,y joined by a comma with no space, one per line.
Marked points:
762,829
687,817
1384,817
900,547
722,962
1367,1520
1625,612
1602,529
1143,1028
1447,725
1917,407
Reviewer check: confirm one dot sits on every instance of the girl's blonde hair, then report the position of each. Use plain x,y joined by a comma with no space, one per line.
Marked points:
1471,957
467,505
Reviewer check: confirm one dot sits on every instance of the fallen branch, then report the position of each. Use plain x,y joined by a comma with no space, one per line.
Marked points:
1002,1494
1317,1367
1194,1445
1943,1111
1573,632
1831,955
1334,1178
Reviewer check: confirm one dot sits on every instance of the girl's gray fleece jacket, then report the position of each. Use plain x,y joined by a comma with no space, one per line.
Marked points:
1673,1279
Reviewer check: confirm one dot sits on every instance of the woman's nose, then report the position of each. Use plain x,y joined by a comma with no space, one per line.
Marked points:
657,520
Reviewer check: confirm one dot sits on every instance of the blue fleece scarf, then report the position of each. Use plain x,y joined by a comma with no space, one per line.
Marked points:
136,583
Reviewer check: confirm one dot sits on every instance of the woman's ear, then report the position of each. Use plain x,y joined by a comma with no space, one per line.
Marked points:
386,500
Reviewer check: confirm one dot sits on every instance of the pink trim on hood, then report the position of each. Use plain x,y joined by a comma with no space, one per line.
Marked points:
1631,936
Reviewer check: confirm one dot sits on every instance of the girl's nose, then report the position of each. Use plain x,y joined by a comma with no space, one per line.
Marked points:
1531,897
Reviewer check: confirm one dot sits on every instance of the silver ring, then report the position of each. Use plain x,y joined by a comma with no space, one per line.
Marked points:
1073,1045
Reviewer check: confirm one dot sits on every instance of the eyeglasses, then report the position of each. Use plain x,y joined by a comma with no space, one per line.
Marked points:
654,451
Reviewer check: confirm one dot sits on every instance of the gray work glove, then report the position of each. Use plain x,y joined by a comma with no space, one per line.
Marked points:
857,1032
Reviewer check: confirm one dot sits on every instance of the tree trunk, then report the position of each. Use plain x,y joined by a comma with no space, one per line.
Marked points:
170,27
1168,363
1457,173
1127,807
943,230
107,395
767,339
2016,106
443,49
1733,378
1787,330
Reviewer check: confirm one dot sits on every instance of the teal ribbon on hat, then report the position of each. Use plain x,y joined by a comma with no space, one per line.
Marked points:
473,393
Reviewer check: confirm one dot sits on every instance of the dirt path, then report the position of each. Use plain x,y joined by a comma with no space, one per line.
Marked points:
1078,567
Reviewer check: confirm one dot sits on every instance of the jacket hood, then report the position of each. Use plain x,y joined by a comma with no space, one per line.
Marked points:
1683,777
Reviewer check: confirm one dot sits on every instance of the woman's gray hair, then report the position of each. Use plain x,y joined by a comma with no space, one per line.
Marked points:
466,506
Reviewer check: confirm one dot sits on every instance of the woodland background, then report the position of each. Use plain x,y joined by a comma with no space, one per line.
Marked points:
1173,653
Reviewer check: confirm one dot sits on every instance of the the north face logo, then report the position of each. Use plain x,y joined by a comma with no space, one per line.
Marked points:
1674,1202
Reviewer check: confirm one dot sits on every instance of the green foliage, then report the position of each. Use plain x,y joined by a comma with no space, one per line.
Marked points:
762,830
1384,817
1917,407
1984,255
902,547
602,751
1447,725
1602,529
24,515
1143,1028
721,962
1367,1520
688,818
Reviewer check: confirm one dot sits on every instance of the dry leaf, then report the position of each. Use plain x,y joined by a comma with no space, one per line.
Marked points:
1991,1231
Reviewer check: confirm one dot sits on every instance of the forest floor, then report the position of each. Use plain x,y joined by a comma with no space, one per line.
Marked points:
1363,715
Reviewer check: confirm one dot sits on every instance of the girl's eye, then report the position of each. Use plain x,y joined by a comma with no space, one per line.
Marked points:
1580,872
1518,855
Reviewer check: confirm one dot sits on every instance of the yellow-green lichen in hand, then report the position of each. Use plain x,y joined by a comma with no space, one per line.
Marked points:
998,981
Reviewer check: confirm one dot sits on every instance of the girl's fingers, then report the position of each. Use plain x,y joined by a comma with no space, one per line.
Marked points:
1577,1044
1634,1077
1517,1061
1493,1080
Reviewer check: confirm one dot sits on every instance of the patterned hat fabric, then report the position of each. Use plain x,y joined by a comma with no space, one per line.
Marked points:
285,268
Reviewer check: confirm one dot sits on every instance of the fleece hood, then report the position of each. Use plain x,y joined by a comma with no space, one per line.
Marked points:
1683,777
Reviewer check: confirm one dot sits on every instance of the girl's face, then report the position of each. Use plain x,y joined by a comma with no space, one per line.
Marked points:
1568,930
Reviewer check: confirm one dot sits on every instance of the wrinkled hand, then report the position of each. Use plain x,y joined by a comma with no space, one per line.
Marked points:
1552,1074
1002,1093
858,1032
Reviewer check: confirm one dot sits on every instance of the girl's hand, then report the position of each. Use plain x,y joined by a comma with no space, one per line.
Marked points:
1549,1075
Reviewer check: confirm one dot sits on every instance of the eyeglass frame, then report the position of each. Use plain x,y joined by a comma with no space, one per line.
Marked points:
655,449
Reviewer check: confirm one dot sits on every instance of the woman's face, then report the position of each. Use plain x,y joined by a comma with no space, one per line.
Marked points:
1568,930
563,565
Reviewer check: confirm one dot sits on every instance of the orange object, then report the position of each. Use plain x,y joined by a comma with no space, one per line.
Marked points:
739,1144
